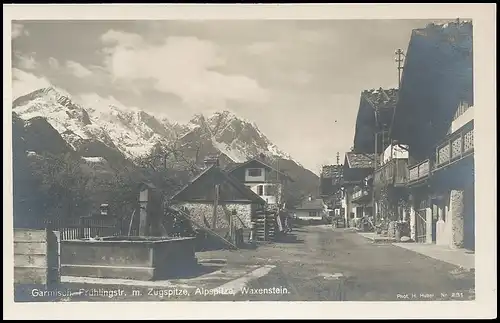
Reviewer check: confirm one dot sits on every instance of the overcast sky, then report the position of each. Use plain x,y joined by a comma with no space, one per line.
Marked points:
299,80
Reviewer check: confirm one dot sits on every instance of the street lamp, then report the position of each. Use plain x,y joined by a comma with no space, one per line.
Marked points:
375,164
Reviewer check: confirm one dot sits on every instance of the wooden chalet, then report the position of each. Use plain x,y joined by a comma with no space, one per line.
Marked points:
216,202
435,119
387,182
357,167
330,187
265,180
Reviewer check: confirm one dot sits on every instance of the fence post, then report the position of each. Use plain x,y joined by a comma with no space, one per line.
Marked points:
81,227
118,226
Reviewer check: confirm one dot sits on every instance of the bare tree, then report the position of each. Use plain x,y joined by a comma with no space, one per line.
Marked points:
171,155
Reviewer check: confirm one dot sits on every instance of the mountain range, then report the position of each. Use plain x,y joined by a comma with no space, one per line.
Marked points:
100,131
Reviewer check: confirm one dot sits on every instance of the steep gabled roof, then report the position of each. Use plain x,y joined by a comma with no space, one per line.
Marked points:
437,77
248,193
381,102
359,160
334,173
381,98
331,171
265,165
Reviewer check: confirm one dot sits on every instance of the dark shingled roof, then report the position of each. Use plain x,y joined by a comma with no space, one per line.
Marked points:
230,166
331,171
229,178
357,160
437,77
381,98
384,102
315,204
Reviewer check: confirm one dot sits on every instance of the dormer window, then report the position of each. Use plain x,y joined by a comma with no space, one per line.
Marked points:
254,172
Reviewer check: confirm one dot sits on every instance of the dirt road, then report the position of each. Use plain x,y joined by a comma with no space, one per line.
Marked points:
321,264
315,264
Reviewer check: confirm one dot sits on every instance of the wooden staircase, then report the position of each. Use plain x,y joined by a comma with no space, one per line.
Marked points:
265,226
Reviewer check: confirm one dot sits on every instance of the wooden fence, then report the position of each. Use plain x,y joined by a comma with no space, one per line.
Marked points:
83,227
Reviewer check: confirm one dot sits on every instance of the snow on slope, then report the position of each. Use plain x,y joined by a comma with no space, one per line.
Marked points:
134,132
93,159
69,119
130,130
123,125
235,137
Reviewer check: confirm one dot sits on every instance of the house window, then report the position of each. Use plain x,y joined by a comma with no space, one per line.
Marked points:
254,172
313,213
260,190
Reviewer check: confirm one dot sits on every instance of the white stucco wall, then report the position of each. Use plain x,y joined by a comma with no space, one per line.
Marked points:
450,226
270,199
304,215
344,202
413,221
462,119
395,152
442,227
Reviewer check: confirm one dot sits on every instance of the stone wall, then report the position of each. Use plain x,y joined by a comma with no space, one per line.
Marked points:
457,218
413,224
199,210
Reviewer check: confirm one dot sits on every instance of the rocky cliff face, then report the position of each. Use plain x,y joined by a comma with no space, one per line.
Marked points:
134,133
119,133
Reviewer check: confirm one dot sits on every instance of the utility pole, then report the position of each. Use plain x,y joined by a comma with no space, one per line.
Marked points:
399,59
375,162
375,157
338,158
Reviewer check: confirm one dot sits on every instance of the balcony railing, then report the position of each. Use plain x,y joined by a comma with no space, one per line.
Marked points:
359,193
392,173
456,147
419,171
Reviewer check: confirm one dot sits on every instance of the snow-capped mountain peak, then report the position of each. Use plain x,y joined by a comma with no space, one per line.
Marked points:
235,137
134,132
128,130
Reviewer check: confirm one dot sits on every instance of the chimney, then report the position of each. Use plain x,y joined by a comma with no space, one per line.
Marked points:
211,161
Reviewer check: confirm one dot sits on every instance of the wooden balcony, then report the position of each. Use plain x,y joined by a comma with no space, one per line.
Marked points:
392,173
360,194
455,147
419,172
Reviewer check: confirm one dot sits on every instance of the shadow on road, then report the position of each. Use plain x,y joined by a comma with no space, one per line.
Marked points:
194,271
289,238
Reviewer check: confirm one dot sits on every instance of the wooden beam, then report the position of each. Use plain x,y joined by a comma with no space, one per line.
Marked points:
216,204
131,221
205,229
